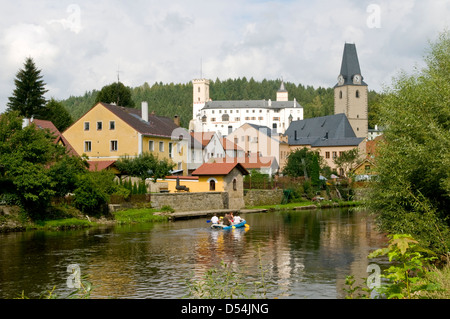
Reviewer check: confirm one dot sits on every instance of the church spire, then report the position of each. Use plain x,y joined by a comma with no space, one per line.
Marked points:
350,70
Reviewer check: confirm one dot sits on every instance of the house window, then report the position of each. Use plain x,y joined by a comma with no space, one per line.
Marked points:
357,94
327,154
213,119
367,168
112,125
170,150
236,140
235,184
99,126
151,146
334,155
276,118
212,185
87,146
86,126
225,118
113,146
340,94
161,146
237,119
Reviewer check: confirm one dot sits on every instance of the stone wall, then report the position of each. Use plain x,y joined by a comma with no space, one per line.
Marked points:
183,202
259,197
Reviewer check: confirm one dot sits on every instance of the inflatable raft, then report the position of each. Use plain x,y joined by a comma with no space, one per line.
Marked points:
221,226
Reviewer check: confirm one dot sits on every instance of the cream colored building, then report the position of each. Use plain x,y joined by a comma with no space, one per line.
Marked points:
330,135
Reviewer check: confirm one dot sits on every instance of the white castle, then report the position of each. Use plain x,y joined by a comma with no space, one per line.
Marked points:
224,117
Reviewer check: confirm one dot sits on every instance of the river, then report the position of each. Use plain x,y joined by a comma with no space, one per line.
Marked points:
304,254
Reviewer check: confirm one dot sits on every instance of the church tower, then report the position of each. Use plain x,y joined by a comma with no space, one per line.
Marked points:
351,92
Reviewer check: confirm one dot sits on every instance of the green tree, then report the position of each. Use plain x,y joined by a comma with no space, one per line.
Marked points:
57,114
411,194
25,155
115,93
303,162
145,166
346,160
28,96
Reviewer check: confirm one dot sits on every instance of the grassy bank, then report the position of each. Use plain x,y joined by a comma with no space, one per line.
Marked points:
140,215
308,204
67,217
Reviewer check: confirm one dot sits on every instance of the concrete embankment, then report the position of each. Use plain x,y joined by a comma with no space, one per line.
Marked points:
209,213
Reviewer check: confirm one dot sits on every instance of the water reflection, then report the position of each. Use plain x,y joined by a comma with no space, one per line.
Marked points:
304,254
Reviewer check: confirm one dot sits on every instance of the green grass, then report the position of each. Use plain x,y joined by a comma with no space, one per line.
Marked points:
323,204
141,215
282,206
67,223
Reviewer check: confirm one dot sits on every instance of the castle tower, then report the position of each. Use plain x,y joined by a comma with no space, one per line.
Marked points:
282,93
200,96
351,92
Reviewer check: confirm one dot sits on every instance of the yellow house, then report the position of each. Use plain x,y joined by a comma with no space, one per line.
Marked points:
108,132
212,177
364,170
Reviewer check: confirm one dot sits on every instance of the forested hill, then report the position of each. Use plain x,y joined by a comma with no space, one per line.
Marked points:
176,99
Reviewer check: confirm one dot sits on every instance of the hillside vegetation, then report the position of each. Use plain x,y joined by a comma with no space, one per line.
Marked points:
176,99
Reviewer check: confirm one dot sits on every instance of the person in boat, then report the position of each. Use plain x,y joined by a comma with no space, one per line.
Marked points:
215,219
227,220
237,219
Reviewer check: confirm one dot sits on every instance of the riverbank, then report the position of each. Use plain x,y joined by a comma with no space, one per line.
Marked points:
63,217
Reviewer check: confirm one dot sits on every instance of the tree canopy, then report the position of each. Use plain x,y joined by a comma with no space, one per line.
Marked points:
412,193
145,166
116,93
28,96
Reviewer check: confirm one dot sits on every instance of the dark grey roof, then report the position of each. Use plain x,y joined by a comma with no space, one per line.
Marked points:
350,65
263,104
155,126
331,130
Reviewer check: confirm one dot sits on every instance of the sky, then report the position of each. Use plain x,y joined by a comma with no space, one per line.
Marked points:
84,45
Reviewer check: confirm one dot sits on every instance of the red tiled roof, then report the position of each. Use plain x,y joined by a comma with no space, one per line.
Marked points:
99,165
203,137
44,124
249,162
219,169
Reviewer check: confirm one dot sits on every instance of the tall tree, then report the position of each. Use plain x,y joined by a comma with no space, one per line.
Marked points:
411,194
28,96
115,93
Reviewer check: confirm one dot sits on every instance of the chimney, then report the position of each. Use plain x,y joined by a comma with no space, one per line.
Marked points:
176,120
25,122
144,111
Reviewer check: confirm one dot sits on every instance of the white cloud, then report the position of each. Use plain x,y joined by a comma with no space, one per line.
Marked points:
80,46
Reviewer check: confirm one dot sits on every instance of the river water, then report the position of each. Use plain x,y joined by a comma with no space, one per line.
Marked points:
304,254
